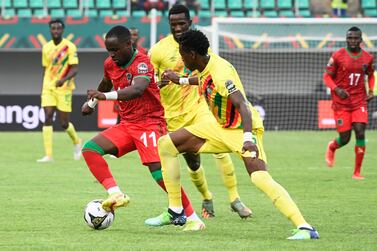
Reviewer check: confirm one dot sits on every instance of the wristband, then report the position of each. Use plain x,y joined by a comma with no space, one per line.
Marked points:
184,81
247,136
111,95
92,103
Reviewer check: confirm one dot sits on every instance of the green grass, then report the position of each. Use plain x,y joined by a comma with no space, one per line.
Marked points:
42,204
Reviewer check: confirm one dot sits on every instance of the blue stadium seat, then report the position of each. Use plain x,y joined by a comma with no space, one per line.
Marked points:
88,3
53,4
7,3
70,4
106,13
121,13
284,4
36,4
204,4
138,13
370,12
39,13
119,4
220,4
204,13
20,4
267,4
235,4
24,13
9,13
286,13
103,4
250,13
304,13
221,13
303,4
57,13
92,13
251,4
368,4
270,13
74,13
237,13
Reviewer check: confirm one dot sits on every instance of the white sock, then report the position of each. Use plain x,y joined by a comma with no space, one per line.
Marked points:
112,190
194,217
305,226
177,210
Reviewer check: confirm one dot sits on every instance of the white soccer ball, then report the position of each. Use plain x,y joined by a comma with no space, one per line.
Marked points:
96,217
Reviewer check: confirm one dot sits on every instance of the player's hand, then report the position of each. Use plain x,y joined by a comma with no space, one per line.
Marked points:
170,75
343,94
86,110
250,147
59,83
162,83
95,94
370,96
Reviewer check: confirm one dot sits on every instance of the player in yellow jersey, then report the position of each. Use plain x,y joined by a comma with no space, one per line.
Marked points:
60,65
183,107
235,127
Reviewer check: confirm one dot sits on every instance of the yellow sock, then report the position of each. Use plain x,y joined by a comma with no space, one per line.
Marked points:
199,179
47,139
171,170
225,165
72,134
279,196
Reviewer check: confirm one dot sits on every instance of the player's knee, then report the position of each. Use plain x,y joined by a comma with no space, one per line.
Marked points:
166,146
92,147
48,122
64,125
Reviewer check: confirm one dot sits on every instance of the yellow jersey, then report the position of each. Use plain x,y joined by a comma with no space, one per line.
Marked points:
176,99
217,81
57,60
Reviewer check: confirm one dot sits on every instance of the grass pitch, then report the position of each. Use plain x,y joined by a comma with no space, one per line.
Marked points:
42,204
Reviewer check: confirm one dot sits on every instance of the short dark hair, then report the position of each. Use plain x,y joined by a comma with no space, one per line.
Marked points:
120,32
56,21
354,28
178,9
194,40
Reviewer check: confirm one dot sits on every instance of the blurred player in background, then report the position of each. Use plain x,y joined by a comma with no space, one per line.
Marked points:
235,127
135,40
345,75
131,75
60,65
184,106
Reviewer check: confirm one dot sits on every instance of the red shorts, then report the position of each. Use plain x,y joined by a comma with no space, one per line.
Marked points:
128,137
344,119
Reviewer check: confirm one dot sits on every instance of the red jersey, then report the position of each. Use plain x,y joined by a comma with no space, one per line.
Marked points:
348,72
145,108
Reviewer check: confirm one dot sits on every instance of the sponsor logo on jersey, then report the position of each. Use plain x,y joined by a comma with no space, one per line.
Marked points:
230,86
142,68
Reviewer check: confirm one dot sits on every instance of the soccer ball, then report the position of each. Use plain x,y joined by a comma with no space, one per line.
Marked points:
96,217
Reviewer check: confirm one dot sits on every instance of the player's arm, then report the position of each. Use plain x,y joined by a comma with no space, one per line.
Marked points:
73,70
170,75
241,104
88,107
329,80
371,81
136,89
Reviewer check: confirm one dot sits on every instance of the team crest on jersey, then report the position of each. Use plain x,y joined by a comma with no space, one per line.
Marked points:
129,76
230,86
142,68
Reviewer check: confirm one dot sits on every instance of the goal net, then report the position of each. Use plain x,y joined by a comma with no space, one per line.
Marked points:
281,63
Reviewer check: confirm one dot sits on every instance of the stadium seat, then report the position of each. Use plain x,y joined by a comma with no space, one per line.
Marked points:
88,3
220,4
138,13
74,13
303,4
103,4
7,4
106,13
119,4
270,13
20,4
237,13
57,13
250,13
204,4
368,4
36,4
204,13
286,13
304,13
53,4
235,4
70,4
91,13
251,4
221,13
370,12
39,13
8,13
24,13
121,13
267,4
284,4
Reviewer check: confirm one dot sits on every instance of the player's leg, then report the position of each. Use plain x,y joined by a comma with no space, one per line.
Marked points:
47,131
359,129
197,175
343,127
93,152
64,107
165,218
226,167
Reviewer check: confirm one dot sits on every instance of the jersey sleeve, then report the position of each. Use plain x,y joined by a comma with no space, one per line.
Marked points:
371,67
105,70
72,55
331,65
226,83
44,57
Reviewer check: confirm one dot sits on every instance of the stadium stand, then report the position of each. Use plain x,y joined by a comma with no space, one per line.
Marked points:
369,8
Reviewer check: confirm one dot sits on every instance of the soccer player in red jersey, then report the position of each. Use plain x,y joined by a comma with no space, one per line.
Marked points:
131,75
345,75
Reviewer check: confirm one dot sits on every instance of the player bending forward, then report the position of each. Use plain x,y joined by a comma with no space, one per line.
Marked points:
142,120
235,127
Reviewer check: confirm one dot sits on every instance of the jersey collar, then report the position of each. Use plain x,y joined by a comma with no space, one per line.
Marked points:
132,59
354,56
